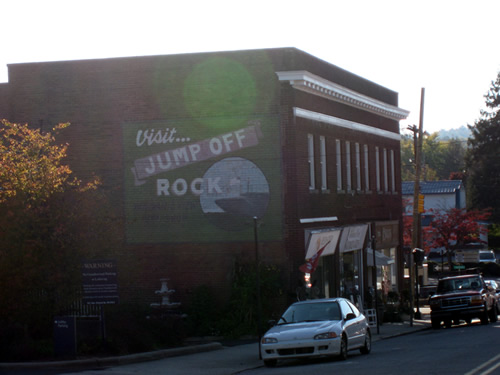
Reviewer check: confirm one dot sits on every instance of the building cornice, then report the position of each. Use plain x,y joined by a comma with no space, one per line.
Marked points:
351,125
315,85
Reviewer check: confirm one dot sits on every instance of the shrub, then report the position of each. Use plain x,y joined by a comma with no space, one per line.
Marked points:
202,313
241,312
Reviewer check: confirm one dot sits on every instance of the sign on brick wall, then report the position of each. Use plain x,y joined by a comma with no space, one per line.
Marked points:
100,283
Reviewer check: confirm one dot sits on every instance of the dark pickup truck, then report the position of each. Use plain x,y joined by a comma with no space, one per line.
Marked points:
462,297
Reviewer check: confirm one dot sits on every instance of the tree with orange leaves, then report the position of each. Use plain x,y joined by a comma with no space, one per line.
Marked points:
454,228
49,221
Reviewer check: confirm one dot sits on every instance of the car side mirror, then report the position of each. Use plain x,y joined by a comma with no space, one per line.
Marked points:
350,316
271,323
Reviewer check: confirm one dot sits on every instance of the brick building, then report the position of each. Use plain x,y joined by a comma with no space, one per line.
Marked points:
192,148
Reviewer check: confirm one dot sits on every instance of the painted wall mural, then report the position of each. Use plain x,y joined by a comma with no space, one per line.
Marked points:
213,163
180,189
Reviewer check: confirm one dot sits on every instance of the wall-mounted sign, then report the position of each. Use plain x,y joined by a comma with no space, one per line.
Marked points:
100,283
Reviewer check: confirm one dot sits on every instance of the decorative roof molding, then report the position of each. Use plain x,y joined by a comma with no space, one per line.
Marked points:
313,84
331,120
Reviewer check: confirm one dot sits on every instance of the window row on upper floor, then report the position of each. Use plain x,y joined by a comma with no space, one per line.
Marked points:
351,166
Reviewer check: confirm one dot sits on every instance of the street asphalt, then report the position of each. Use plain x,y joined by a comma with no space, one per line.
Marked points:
228,357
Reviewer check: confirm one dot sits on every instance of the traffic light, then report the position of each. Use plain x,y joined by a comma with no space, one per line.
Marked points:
421,203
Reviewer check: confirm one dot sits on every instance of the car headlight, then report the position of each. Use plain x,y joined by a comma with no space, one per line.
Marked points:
476,300
324,336
433,303
269,340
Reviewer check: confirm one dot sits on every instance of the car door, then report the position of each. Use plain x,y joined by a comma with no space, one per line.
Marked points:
352,327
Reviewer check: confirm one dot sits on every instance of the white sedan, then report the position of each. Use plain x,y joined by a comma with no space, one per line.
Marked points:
314,328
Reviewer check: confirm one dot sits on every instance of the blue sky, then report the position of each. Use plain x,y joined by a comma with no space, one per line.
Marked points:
448,47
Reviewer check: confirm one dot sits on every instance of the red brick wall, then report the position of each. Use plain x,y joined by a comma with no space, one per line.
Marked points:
99,96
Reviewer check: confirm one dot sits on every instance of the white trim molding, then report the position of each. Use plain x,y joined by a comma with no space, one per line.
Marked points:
318,219
313,84
335,121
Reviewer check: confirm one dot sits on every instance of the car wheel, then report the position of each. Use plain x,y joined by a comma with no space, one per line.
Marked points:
436,324
484,317
343,348
493,314
368,344
270,362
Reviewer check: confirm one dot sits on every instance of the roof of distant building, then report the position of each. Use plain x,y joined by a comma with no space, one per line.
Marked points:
433,187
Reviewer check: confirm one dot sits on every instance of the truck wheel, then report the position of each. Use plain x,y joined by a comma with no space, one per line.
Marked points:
484,316
436,324
493,314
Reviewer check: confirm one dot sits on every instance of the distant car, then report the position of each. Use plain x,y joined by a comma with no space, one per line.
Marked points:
487,256
315,328
463,297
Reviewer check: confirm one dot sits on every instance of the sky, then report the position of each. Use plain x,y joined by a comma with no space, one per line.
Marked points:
449,48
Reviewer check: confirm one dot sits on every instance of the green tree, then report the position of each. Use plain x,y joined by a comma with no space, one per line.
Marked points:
453,162
440,159
407,158
483,158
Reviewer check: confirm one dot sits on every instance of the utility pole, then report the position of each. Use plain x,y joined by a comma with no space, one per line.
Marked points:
416,238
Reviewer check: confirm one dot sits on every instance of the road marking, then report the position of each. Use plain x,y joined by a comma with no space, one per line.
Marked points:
485,364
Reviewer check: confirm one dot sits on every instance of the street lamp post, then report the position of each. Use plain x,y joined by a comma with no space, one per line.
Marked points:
257,278
375,282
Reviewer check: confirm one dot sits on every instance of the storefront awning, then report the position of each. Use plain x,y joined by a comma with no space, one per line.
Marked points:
353,238
381,259
322,238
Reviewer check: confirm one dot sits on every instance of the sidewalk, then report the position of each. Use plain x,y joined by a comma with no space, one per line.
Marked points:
211,358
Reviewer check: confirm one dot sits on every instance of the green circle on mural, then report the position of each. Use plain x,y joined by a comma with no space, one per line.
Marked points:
220,91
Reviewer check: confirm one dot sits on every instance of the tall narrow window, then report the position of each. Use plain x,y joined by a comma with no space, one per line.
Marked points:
377,168
367,168
348,166
310,150
386,174
322,151
393,176
358,168
338,151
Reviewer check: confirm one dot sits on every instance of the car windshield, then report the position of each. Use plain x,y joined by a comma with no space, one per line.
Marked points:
485,256
311,312
450,285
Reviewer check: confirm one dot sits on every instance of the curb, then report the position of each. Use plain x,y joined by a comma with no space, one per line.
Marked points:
113,361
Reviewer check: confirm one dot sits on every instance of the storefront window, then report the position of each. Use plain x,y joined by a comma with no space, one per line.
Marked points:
386,276
350,276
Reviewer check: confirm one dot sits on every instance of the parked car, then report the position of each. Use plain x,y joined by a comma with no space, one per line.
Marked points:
314,328
487,256
463,297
